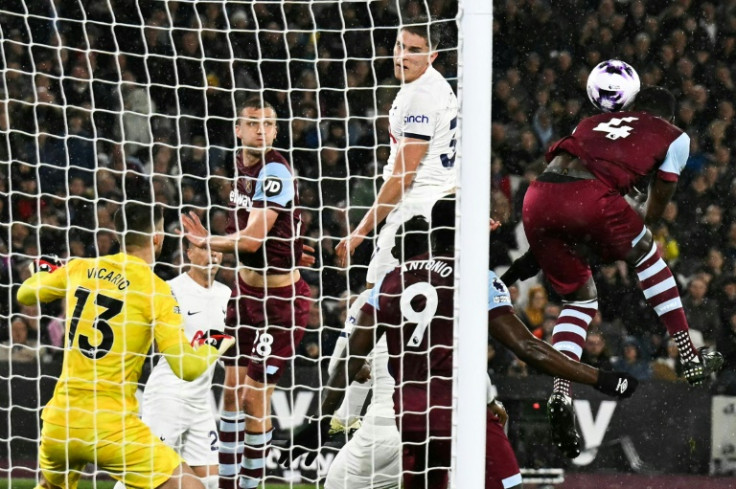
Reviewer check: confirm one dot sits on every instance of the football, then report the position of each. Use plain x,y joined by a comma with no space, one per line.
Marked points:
613,85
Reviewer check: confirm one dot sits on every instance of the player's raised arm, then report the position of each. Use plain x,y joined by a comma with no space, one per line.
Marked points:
248,240
660,193
188,363
43,285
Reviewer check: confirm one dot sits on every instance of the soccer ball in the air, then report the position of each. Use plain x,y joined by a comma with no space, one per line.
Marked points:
613,85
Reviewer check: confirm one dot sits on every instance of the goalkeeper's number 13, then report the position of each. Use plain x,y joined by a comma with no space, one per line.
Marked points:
112,309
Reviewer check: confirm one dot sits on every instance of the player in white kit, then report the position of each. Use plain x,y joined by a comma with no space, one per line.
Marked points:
177,411
372,457
420,170
421,165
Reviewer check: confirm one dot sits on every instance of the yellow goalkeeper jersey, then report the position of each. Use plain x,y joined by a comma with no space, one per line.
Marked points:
115,307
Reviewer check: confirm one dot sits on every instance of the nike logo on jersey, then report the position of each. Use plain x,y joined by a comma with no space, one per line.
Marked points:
190,313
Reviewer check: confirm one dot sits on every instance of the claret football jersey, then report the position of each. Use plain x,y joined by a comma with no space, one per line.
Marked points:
623,148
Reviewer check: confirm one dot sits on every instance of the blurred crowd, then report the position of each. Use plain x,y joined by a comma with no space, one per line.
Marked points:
115,102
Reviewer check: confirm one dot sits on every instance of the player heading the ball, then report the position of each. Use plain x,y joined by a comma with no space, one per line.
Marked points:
421,360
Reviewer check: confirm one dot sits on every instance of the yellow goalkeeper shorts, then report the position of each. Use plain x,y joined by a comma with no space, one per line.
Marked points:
134,455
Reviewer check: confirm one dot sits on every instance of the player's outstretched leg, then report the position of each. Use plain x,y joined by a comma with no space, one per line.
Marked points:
568,337
661,293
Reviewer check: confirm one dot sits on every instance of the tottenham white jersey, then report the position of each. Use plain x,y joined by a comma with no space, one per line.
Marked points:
203,309
426,109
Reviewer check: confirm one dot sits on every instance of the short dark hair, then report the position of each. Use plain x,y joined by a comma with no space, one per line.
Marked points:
136,221
427,28
412,239
657,101
256,102
442,224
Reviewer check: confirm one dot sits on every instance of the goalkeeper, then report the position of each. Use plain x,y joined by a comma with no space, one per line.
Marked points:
180,412
119,306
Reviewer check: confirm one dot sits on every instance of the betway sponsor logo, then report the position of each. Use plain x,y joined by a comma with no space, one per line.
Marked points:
240,200
416,119
592,428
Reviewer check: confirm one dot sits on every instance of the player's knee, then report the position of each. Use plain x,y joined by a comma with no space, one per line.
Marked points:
587,292
230,400
641,248
254,401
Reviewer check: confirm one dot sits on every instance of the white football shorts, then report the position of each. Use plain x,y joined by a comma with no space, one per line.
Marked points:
192,432
382,260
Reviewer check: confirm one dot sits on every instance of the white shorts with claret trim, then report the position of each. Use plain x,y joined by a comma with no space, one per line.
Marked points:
382,260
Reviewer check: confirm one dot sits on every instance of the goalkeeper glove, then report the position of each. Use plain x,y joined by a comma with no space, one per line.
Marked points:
216,339
47,263
619,384
306,439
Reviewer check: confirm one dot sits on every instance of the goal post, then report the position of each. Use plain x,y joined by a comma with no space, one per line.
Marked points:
471,294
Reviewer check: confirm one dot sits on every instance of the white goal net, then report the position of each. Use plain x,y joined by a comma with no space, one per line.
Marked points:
105,102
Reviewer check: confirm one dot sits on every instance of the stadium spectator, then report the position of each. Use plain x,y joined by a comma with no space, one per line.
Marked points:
668,367
632,360
20,347
595,352
701,310
533,314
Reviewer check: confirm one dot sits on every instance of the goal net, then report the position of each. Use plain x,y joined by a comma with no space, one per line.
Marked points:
106,102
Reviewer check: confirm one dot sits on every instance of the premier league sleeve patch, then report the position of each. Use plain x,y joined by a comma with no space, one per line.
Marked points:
498,294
